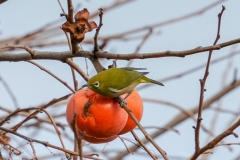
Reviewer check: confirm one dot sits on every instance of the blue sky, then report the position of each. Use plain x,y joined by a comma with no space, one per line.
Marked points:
32,86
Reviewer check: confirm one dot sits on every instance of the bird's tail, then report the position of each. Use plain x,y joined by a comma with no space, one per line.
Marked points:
148,80
156,82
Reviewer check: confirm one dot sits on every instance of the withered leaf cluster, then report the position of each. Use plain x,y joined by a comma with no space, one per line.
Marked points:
80,26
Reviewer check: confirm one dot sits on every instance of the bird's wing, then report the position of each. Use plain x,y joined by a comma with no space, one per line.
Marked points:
117,79
130,77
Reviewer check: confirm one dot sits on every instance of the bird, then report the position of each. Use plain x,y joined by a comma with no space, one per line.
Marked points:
115,82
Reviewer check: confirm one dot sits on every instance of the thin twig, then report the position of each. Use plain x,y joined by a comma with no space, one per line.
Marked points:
149,138
225,111
202,83
63,14
34,151
14,113
68,40
124,144
235,75
56,77
142,144
75,148
78,69
112,6
9,92
227,144
55,127
184,111
144,39
75,82
76,135
96,47
93,58
23,112
39,110
29,50
161,128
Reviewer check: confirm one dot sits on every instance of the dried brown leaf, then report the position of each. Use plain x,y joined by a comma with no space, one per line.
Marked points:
82,14
68,27
93,25
4,139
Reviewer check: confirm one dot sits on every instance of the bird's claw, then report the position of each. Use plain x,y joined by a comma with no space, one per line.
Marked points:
121,101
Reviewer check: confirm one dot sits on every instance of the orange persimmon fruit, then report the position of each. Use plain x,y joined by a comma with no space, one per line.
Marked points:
104,117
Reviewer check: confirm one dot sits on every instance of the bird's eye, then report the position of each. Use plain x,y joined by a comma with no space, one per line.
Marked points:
96,84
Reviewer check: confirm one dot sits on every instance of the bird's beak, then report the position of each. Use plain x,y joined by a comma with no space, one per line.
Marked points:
85,85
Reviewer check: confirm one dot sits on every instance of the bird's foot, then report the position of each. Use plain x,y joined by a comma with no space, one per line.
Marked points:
121,101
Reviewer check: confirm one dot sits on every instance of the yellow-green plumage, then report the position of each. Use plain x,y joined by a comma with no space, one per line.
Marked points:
117,81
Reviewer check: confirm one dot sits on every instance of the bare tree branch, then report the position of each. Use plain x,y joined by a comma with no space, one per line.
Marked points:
202,84
62,56
214,142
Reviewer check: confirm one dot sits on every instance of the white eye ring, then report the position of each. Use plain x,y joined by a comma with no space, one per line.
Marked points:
96,84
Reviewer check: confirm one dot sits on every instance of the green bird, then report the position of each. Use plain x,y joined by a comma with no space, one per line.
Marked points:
115,82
